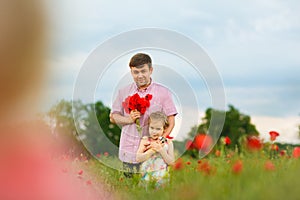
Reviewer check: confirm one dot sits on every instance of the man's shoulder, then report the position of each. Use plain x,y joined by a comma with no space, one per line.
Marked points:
127,87
160,86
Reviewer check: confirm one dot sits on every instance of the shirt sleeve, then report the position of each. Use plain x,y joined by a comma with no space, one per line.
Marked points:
168,104
117,105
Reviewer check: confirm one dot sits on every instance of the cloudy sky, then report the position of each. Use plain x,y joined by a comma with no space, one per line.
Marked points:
254,45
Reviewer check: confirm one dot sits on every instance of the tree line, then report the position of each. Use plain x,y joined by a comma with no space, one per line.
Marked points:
87,128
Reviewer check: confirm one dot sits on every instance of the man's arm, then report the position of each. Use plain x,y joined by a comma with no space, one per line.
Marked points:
124,120
168,130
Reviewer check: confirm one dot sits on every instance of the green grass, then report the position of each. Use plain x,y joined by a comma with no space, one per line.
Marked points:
213,178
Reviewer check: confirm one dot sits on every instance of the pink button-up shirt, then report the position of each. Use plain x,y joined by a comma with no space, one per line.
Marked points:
130,138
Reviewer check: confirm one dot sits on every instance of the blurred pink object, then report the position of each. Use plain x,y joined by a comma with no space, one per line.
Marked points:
28,172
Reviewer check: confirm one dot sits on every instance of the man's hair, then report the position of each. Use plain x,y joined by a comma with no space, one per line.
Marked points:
139,60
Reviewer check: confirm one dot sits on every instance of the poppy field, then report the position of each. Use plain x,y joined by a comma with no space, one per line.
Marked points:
257,171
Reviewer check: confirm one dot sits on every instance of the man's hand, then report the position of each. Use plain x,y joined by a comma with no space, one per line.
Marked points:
119,119
111,119
134,115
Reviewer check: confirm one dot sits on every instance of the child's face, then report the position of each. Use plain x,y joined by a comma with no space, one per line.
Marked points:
156,129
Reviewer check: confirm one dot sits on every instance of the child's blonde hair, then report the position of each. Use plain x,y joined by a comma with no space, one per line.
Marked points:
159,116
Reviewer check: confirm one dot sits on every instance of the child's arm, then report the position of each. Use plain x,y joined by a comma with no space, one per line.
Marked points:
143,155
168,156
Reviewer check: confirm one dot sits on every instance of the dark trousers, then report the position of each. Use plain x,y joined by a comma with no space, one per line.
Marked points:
130,169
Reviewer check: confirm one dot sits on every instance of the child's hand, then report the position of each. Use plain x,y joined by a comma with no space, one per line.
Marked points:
157,146
147,146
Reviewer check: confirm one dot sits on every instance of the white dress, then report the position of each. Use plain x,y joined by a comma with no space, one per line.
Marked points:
155,168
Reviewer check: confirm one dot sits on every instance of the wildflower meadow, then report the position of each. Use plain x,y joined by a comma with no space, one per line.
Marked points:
243,167
254,173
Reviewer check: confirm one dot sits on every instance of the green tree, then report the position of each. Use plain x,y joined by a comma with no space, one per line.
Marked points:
112,131
84,126
60,119
299,129
99,134
236,125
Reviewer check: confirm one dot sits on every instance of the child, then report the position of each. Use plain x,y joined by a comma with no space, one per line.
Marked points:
159,151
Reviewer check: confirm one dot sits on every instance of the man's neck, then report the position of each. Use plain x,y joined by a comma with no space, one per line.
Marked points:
143,87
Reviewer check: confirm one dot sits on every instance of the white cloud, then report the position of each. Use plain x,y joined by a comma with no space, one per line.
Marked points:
62,73
255,44
279,22
287,127
70,63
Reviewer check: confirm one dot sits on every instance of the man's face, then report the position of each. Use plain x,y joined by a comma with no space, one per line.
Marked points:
141,75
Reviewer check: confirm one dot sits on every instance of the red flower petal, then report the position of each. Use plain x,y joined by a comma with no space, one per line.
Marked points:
227,140
296,152
189,145
273,135
269,166
237,167
135,102
178,164
169,137
202,142
80,172
89,182
254,143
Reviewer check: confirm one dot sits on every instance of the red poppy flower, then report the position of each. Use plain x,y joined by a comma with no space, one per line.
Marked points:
269,166
135,102
273,135
218,153
227,140
237,167
282,152
205,167
178,164
106,154
189,145
274,147
89,182
80,172
254,143
203,142
296,152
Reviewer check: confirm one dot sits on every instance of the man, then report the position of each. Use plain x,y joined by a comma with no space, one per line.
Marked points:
141,71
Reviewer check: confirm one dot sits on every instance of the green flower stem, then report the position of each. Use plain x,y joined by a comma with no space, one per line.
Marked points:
138,127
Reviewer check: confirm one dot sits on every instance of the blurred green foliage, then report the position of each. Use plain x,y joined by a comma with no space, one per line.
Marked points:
83,127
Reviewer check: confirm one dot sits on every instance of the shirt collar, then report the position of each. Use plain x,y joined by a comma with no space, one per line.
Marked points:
144,90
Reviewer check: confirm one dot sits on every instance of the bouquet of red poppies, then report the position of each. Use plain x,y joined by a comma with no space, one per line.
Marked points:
135,102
